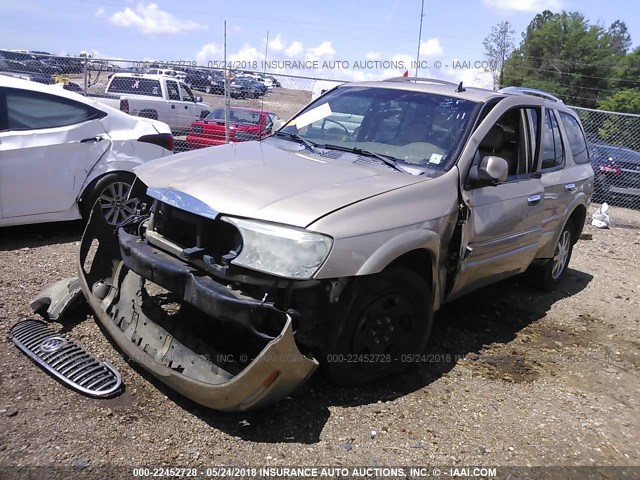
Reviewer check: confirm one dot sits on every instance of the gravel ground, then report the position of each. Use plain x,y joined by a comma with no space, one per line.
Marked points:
517,377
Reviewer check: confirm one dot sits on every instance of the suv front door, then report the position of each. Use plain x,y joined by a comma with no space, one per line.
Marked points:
499,237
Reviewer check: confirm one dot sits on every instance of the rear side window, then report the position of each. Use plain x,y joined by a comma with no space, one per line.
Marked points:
552,147
575,137
139,86
33,110
172,91
187,96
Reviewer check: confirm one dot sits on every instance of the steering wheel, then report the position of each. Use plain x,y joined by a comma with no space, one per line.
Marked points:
346,131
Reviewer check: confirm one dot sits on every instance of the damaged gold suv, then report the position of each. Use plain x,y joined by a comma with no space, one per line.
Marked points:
335,240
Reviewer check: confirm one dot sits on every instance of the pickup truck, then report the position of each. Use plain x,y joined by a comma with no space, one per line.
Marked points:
154,96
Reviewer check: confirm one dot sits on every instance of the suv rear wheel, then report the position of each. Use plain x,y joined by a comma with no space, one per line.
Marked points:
548,276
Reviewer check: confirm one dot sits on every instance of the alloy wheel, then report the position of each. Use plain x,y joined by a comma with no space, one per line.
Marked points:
115,204
561,254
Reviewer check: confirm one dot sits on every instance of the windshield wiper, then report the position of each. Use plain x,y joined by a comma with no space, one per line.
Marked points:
297,138
386,159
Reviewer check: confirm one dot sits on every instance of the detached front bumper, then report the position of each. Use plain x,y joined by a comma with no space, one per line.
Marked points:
113,278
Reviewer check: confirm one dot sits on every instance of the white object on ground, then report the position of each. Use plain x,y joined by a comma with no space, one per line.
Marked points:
601,218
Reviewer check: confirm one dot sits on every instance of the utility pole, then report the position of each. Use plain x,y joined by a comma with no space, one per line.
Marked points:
266,51
226,88
419,39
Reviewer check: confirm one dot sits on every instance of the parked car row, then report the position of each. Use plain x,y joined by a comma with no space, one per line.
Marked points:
49,63
240,85
25,71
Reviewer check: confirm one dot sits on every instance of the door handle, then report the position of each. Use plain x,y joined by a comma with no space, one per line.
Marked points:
173,107
534,199
570,187
91,139
186,107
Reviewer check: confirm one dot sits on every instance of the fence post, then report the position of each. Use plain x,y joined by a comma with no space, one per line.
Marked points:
86,80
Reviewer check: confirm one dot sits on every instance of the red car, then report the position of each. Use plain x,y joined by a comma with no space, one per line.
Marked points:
244,124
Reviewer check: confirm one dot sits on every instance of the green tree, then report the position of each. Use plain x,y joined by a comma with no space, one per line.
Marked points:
498,45
618,38
627,73
622,129
566,55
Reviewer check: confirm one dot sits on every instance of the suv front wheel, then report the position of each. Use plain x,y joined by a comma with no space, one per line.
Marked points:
384,319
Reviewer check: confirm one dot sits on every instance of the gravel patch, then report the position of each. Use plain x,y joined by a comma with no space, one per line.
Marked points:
514,376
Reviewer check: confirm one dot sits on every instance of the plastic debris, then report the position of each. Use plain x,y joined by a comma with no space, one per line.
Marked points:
601,218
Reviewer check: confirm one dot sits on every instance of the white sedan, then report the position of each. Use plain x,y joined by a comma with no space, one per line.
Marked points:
61,152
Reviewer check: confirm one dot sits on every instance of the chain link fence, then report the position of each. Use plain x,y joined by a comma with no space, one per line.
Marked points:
232,106
614,143
252,102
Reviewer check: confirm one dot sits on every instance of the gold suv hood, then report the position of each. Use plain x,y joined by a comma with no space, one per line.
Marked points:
262,181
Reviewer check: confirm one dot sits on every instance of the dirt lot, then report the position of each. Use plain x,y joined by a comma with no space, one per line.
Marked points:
517,377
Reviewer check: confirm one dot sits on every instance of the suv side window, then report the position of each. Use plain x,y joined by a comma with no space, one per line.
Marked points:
513,139
575,137
27,110
552,146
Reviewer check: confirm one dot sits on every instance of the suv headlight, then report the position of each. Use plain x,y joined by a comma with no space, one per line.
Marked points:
284,251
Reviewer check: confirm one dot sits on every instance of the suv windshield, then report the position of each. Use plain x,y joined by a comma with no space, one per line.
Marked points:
417,128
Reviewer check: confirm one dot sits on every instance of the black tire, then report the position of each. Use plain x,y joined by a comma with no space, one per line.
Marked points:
381,319
549,275
112,191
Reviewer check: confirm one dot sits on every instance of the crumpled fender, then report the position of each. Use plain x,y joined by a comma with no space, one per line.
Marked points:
113,292
55,300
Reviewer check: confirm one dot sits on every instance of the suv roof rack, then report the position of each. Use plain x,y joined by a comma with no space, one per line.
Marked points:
420,79
530,91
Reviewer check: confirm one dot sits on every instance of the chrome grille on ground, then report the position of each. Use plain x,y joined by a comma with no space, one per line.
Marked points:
65,360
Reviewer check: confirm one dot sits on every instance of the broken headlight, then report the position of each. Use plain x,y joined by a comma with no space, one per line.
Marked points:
284,251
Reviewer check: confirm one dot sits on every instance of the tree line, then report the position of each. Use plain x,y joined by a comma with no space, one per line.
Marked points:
584,64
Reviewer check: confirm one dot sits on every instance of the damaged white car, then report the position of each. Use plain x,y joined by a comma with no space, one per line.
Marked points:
335,240
60,152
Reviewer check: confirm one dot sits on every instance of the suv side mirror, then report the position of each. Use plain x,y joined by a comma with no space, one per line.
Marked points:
198,99
491,171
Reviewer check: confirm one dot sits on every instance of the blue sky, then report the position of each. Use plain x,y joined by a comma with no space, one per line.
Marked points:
347,31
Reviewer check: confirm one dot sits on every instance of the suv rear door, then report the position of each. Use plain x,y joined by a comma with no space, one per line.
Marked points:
499,236
558,187
565,170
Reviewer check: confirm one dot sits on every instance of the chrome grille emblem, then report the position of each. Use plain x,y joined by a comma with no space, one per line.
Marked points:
52,344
